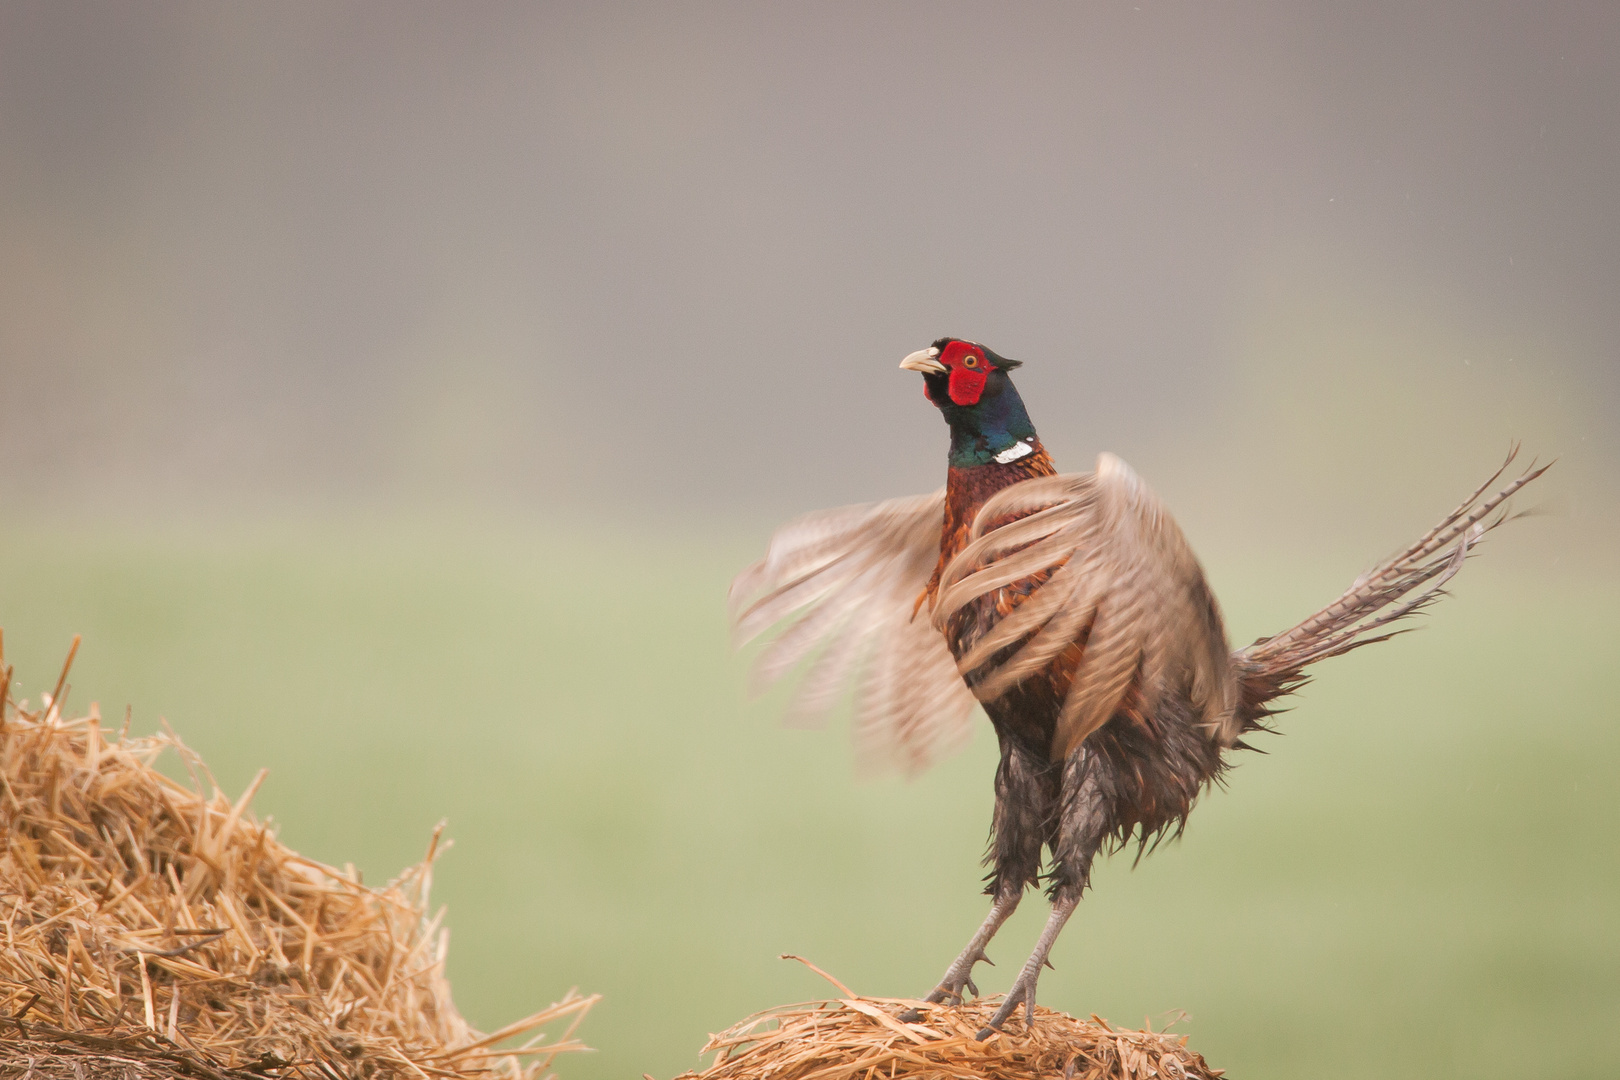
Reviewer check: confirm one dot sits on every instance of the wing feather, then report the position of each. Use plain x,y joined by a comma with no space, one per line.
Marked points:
846,581
1120,581
825,683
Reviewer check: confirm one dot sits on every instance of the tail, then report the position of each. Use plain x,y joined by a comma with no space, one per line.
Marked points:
1401,586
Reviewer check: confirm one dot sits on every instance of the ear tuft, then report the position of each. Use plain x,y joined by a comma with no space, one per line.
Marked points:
1001,361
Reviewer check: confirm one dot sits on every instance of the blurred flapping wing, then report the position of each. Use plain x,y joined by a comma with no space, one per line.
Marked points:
847,581
1123,603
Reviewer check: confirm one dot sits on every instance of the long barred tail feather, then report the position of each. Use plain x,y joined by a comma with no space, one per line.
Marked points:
1397,588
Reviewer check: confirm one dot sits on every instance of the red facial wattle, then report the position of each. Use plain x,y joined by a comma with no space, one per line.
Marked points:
967,384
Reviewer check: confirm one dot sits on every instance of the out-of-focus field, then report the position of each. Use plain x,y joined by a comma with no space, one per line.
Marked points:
1421,879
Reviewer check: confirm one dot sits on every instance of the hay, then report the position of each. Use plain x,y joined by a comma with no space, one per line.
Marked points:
152,930
860,1037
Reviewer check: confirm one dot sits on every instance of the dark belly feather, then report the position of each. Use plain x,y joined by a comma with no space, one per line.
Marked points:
1158,760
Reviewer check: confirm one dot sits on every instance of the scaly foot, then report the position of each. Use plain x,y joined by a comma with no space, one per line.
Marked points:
1022,992
958,977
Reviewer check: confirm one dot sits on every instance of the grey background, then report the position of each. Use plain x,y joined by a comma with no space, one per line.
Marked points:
632,257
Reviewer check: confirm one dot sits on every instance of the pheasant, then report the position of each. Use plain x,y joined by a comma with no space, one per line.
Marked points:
1070,607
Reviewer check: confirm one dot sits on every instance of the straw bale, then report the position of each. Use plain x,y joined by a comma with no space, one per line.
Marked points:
153,930
853,1037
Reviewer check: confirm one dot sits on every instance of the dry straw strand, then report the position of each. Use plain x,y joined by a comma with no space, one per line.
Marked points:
154,931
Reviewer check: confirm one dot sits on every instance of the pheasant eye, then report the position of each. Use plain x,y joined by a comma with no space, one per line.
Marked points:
971,361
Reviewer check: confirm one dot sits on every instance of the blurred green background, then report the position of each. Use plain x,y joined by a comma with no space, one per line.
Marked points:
389,390
1418,879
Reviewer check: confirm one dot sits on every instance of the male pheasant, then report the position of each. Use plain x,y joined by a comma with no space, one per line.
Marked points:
1071,607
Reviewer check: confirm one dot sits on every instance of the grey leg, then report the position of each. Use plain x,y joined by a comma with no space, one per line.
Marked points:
1026,799
1086,818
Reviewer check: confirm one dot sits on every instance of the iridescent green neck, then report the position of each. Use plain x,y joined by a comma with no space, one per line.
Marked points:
989,430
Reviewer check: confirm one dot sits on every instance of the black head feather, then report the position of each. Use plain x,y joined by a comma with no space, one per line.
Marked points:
995,358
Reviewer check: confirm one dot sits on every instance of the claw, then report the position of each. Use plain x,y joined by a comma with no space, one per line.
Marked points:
974,990
910,1016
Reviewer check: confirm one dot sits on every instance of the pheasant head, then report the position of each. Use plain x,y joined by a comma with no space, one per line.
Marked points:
970,386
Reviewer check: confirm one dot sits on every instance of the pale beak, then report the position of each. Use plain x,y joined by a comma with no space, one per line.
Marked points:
924,360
